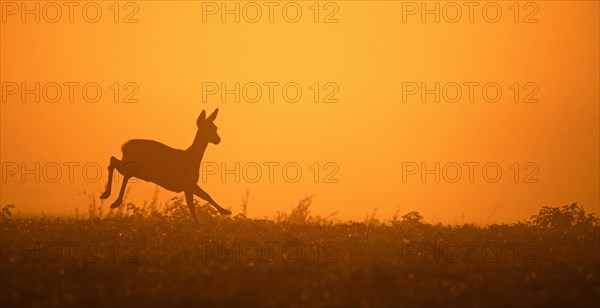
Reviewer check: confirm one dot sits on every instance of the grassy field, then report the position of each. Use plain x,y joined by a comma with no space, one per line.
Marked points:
156,256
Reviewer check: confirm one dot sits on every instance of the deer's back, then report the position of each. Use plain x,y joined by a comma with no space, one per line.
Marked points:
147,149
159,163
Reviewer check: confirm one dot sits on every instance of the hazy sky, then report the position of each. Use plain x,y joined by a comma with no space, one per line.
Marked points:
518,94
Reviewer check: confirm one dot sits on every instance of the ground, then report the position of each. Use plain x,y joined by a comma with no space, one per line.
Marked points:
158,260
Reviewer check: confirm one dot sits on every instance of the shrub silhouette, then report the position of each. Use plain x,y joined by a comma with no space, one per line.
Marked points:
566,218
299,214
412,218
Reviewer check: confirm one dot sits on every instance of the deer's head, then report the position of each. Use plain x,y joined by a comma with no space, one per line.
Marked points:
207,128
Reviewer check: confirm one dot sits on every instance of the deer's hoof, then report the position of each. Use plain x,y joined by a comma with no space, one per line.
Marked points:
105,195
225,212
115,204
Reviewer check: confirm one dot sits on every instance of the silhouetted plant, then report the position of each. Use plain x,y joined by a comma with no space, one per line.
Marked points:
567,217
94,211
6,211
301,213
174,208
412,218
153,206
371,220
205,210
245,203
136,211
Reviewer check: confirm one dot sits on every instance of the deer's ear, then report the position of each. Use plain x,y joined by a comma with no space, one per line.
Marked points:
213,115
201,117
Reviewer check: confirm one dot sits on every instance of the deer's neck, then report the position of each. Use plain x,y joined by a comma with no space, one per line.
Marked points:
196,150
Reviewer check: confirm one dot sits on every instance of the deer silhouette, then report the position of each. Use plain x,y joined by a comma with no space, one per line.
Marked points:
173,169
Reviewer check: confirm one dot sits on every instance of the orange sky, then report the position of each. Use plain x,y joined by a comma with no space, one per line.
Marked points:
370,58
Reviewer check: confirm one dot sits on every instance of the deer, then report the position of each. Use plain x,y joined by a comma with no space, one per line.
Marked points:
173,169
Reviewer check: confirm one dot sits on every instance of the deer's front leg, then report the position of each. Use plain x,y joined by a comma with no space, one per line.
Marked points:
189,199
202,194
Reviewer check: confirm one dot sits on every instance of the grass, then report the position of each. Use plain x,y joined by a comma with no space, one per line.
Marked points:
154,255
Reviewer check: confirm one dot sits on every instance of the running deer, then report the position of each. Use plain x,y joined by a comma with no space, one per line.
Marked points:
173,169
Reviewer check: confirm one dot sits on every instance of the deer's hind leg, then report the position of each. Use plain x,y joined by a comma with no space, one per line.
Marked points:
114,163
121,193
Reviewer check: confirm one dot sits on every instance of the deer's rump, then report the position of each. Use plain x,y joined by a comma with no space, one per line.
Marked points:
155,162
